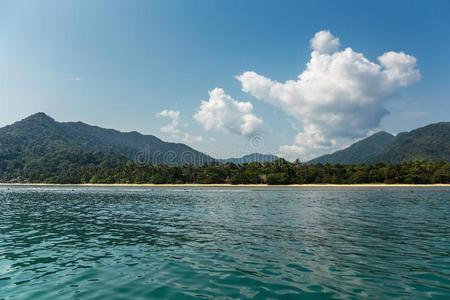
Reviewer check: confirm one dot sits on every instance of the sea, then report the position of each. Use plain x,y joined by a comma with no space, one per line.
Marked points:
72,242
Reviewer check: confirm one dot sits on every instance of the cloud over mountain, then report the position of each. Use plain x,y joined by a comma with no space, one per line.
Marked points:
175,127
222,112
339,96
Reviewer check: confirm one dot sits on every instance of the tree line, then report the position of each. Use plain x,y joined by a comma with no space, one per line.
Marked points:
273,173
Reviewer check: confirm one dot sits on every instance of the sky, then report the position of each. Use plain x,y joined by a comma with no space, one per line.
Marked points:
294,78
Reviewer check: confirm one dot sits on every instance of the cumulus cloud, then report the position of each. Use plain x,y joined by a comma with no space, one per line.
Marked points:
339,96
324,42
221,112
175,127
308,143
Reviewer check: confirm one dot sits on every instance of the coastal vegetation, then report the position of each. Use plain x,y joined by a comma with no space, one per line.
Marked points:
97,168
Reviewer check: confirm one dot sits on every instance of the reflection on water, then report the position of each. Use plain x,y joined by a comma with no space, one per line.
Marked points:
117,243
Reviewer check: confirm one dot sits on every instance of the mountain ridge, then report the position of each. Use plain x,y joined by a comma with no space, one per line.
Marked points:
358,152
41,130
40,135
430,142
40,149
37,129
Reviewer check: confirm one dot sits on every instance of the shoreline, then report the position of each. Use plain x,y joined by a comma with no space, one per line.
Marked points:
363,185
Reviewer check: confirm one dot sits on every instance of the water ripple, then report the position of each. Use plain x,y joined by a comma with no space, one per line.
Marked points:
117,243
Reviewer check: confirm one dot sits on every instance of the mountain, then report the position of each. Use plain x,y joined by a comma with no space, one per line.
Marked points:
431,142
359,152
40,135
40,149
254,157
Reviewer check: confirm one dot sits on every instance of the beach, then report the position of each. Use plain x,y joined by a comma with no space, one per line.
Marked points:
375,185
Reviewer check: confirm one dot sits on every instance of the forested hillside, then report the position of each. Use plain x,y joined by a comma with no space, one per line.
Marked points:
431,142
39,149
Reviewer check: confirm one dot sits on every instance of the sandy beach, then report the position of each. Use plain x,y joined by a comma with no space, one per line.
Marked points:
233,185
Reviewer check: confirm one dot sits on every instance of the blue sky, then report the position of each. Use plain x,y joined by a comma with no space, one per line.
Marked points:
117,64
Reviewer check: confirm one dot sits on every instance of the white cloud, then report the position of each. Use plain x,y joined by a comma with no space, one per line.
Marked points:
340,95
324,42
400,68
308,143
175,127
221,112
74,78
292,152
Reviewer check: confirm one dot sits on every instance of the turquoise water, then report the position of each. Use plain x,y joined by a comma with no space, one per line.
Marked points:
137,243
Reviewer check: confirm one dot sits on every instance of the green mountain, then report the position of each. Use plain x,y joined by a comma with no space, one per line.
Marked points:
39,140
359,152
39,149
431,142
254,157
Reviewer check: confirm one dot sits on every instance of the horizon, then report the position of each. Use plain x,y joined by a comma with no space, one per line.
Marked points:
215,77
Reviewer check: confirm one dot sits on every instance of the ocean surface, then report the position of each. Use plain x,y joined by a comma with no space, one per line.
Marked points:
230,243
